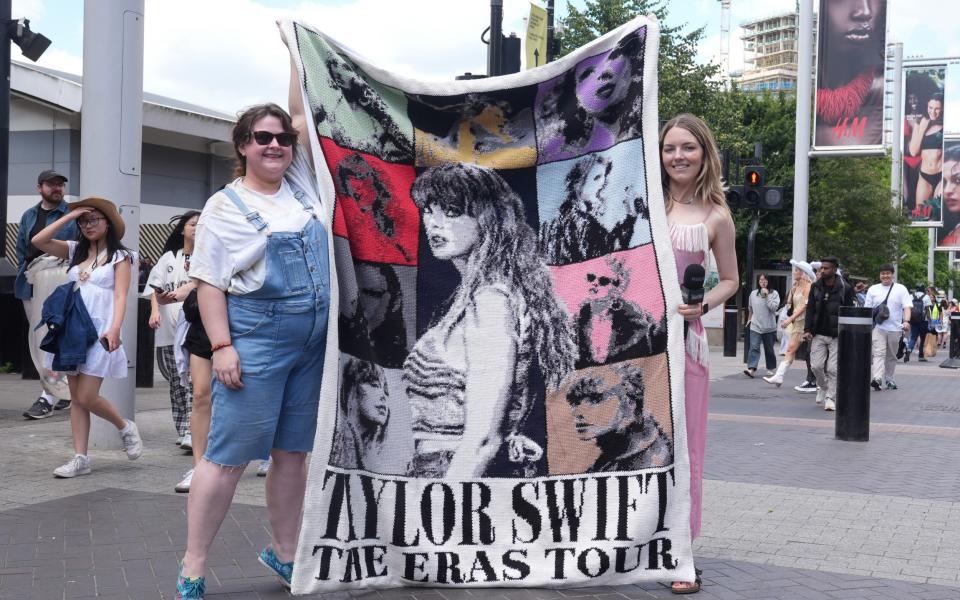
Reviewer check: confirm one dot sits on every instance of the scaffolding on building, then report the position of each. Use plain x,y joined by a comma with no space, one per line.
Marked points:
770,54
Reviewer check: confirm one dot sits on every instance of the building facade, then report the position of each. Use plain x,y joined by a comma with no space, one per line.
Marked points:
186,154
770,54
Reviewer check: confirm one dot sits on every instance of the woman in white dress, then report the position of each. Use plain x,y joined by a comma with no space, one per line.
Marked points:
169,285
100,266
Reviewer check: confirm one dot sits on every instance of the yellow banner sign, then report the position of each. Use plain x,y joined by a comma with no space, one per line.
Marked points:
536,37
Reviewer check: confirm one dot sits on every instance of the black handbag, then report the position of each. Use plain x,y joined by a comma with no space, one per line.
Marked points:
881,312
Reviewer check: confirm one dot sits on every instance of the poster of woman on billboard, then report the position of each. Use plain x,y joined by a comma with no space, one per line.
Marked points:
923,143
850,74
948,235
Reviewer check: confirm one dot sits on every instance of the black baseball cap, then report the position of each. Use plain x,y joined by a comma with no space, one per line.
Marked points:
48,175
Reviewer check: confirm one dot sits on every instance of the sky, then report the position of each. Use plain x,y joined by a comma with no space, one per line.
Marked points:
227,54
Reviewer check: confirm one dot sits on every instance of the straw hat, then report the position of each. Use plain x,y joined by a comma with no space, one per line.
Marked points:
805,267
109,210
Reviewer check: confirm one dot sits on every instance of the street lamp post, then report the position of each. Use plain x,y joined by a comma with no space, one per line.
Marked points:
111,141
495,51
801,164
551,33
32,45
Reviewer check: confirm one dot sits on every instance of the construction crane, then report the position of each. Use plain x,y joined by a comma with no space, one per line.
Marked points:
725,38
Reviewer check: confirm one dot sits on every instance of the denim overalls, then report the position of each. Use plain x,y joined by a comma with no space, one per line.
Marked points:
280,333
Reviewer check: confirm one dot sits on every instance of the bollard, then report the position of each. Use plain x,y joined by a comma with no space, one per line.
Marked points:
730,317
853,374
953,362
144,369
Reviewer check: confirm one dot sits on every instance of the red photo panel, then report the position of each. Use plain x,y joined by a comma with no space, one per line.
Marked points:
374,210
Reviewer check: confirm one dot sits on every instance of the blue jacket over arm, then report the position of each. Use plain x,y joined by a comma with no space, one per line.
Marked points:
70,330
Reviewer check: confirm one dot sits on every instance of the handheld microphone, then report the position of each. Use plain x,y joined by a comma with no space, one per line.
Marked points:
692,288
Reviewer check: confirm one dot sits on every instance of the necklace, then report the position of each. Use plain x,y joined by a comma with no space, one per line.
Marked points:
687,201
85,272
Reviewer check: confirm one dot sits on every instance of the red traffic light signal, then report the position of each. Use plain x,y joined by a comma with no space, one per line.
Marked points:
754,176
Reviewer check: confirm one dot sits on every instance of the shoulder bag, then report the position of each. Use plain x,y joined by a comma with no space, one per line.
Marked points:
881,312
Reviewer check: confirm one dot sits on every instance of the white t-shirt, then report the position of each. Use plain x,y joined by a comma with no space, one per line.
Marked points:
168,274
898,302
229,251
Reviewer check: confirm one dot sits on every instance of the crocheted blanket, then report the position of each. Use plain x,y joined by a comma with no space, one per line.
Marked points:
502,401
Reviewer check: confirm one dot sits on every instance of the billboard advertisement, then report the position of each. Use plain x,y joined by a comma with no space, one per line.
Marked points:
923,128
948,234
851,53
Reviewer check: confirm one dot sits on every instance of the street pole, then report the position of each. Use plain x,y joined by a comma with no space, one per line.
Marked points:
952,265
751,257
931,246
896,143
495,50
748,288
111,135
551,54
801,164
897,122
5,13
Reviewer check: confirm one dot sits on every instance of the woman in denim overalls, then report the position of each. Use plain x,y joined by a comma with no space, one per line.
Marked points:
261,265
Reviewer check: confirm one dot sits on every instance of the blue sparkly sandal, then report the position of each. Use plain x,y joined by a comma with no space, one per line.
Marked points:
190,588
283,571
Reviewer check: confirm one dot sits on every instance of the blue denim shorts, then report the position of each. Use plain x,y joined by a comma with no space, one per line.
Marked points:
281,347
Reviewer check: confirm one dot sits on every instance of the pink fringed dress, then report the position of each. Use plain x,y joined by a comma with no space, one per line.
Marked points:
691,245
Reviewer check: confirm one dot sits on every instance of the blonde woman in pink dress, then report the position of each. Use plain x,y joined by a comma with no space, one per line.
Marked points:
700,222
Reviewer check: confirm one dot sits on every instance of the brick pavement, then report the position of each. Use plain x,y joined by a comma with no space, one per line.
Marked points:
116,543
790,513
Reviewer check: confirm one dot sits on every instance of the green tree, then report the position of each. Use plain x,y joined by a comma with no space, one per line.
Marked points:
770,121
912,269
851,216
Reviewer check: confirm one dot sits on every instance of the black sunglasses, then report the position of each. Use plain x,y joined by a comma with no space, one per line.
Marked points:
265,137
602,280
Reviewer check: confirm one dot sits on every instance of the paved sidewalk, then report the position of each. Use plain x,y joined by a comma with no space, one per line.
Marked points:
790,512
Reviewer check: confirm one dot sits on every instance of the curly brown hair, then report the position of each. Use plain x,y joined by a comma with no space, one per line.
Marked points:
243,130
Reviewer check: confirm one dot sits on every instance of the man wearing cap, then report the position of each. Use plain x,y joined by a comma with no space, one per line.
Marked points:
52,206
821,327
887,332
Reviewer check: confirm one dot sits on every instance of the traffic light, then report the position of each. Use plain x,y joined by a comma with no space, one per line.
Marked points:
772,198
754,194
734,197
754,178
510,59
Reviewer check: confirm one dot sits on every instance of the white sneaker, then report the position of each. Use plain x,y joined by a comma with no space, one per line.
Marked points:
263,468
187,443
821,395
132,443
184,485
78,465
179,440
829,405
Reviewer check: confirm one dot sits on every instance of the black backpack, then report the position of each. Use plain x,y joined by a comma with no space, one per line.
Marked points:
918,313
